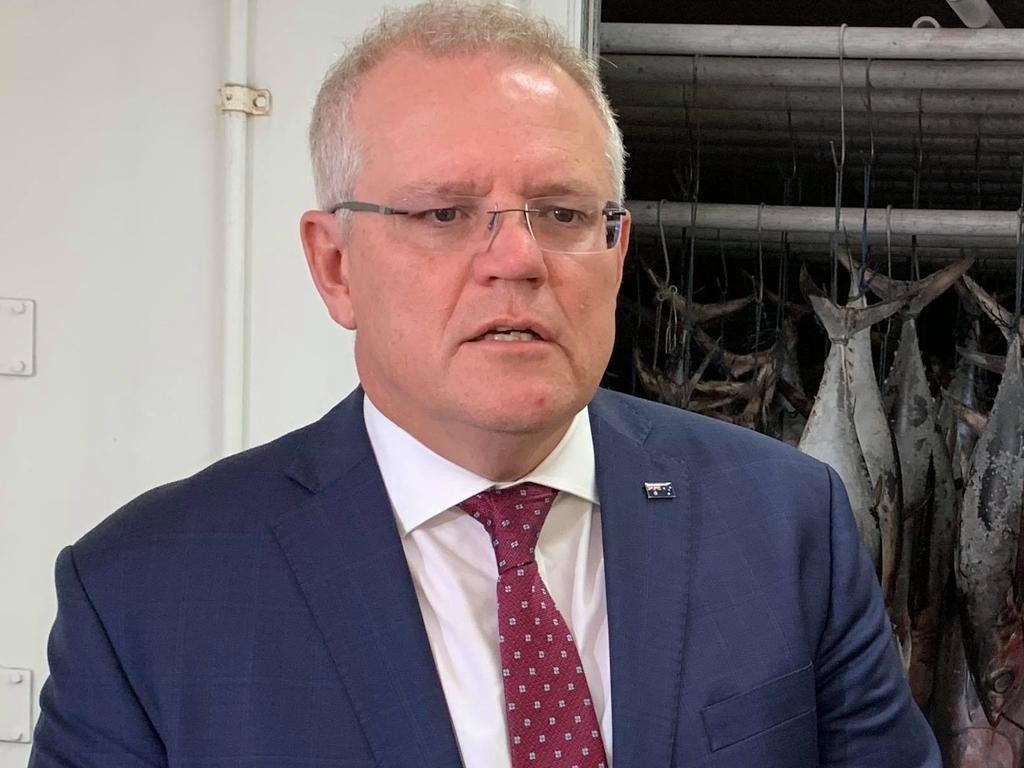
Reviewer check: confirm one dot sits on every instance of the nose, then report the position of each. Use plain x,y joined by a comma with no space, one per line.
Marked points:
510,252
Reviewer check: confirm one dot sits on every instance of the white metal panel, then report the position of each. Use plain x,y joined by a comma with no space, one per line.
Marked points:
108,218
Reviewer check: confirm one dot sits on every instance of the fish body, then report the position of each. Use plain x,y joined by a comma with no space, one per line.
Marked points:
880,455
960,439
966,737
930,502
988,568
927,487
831,433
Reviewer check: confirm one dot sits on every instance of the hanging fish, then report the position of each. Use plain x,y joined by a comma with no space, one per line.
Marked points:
735,365
880,454
963,388
831,431
662,387
930,497
966,737
989,564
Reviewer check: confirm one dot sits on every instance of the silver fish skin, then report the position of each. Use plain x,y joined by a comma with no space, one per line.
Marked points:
988,559
963,389
881,457
926,508
831,432
931,504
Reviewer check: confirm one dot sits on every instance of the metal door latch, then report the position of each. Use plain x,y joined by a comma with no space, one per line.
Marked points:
242,98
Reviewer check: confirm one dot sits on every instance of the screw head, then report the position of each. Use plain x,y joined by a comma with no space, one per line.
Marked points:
19,366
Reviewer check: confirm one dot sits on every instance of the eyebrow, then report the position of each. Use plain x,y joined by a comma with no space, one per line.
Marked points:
563,187
418,188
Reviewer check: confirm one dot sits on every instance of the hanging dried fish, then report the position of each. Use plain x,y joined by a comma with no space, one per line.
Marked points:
963,388
930,497
989,556
831,431
967,738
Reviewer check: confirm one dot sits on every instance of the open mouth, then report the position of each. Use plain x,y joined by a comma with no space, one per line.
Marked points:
506,333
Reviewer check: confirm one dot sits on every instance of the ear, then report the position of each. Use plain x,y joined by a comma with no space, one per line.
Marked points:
328,264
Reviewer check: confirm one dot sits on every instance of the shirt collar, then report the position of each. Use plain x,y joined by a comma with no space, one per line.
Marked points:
421,484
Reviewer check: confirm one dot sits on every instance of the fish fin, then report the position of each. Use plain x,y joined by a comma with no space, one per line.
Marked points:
842,322
993,363
996,313
883,287
702,313
930,288
974,419
918,294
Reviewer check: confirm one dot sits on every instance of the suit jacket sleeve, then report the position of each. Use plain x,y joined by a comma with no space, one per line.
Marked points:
866,714
90,715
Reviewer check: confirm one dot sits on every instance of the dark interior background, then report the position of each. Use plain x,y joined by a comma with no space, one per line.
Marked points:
719,274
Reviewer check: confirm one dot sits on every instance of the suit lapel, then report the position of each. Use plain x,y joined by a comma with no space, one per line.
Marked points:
347,556
647,566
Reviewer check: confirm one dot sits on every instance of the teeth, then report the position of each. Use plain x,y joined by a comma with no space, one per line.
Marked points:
509,335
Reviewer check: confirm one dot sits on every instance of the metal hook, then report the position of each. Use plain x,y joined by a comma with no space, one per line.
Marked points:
883,352
870,111
839,163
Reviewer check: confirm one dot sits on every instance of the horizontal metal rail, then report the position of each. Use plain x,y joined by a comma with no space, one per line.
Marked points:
820,99
780,218
813,42
813,73
774,120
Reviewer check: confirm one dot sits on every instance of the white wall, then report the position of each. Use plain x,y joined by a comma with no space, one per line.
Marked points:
110,218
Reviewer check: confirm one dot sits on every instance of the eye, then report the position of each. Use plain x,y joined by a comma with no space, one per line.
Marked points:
444,215
565,215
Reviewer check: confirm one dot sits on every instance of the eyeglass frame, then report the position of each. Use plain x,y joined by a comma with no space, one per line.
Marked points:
613,211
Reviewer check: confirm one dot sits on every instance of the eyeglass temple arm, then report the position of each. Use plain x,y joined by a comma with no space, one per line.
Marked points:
355,205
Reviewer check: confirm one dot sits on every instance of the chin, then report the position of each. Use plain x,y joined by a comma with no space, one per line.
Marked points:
523,411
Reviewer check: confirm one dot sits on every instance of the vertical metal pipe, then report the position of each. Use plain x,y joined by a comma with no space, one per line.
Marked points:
234,391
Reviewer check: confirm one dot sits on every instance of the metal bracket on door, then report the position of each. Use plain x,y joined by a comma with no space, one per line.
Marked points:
242,98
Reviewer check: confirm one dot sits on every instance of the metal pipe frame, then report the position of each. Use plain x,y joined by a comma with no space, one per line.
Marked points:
1006,161
905,143
939,102
779,218
812,73
675,234
859,122
813,42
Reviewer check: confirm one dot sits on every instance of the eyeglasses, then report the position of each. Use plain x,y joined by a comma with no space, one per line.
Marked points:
575,224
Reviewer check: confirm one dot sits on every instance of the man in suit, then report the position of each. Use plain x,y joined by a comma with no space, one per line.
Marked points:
478,558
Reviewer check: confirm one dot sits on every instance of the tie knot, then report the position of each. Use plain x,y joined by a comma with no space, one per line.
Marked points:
513,518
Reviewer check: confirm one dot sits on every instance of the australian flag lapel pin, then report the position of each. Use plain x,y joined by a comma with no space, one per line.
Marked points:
659,490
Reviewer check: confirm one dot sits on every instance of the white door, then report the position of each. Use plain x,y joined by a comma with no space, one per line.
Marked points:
111,219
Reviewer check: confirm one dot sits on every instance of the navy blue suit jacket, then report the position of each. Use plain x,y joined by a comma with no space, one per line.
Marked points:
261,613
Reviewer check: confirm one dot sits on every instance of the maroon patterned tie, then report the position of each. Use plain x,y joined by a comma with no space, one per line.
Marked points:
549,713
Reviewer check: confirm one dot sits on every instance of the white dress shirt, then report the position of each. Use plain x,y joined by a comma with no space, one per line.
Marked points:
455,574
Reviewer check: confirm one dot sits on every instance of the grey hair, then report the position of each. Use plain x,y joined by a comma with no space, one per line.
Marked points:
442,28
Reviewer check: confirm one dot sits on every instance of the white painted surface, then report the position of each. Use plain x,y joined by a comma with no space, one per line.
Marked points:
107,219
111,218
